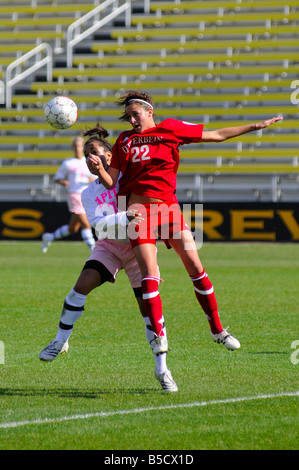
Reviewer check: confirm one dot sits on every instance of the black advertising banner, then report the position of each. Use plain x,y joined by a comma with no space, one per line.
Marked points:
246,221
219,222
29,220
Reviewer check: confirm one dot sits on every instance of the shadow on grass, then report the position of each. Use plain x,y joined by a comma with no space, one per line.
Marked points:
72,392
268,352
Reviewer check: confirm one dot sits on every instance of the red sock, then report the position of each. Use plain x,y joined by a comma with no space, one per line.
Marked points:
204,292
153,304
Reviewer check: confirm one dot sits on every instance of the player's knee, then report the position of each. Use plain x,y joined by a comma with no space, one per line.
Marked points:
137,292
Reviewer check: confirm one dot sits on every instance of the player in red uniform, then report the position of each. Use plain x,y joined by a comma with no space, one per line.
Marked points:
148,157
111,254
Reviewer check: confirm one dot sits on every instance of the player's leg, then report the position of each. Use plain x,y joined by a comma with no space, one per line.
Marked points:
76,221
146,258
49,237
86,232
162,373
61,232
80,220
93,275
75,207
143,243
186,248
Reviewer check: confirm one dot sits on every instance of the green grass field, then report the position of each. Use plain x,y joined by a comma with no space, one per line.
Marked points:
103,394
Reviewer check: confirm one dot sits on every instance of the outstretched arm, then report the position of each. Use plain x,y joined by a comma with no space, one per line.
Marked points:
114,225
104,218
229,132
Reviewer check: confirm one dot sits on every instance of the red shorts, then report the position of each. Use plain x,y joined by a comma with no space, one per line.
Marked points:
161,220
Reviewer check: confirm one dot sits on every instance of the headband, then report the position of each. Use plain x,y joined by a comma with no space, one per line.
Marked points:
102,140
140,101
94,136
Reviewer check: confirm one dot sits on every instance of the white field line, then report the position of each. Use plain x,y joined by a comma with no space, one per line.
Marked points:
107,414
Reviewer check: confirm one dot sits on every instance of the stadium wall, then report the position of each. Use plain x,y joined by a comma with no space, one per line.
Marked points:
232,222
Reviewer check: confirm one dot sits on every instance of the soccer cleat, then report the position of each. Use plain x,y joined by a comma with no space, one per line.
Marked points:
159,345
52,350
46,242
166,380
229,341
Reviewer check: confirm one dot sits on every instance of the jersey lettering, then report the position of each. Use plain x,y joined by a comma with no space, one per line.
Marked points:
110,193
146,139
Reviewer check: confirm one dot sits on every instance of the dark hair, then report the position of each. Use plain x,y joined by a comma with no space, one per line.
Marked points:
98,134
130,95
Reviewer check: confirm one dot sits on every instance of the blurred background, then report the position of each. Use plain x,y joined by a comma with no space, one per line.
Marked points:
222,63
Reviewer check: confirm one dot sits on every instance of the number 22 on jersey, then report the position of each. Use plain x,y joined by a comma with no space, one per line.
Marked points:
140,153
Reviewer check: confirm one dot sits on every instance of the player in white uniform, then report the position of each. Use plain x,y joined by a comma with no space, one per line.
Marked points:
111,254
74,175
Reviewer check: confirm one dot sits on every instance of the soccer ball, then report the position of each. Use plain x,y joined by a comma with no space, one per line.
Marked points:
61,112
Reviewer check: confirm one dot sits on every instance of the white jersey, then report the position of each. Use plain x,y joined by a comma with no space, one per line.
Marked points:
76,172
100,205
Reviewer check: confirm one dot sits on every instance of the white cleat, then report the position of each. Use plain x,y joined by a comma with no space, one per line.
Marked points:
46,242
166,380
159,345
52,350
229,341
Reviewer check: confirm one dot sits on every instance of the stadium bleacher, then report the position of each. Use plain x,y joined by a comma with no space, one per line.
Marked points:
221,63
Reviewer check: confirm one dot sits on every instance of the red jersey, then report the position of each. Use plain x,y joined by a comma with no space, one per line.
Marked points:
149,161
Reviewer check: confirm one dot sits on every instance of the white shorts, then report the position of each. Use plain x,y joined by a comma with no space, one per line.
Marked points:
115,256
74,203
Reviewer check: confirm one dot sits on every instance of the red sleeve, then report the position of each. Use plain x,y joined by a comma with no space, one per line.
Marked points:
187,131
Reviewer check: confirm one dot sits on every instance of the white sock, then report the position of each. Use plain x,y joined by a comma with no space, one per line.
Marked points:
160,359
87,237
73,308
63,335
61,232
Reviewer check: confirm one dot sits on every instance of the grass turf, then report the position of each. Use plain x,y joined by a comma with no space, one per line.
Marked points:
109,367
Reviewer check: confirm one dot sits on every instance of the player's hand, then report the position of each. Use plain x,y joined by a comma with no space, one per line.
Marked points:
134,216
268,122
94,164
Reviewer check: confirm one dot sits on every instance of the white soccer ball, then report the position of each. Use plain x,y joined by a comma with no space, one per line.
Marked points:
61,112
